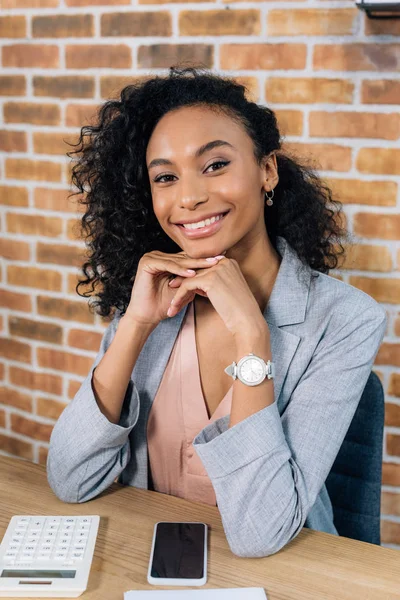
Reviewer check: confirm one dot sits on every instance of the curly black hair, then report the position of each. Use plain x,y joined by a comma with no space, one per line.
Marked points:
110,173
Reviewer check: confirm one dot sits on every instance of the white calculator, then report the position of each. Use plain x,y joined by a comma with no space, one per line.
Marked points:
47,556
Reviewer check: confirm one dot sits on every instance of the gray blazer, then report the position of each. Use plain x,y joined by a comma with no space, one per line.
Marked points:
268,471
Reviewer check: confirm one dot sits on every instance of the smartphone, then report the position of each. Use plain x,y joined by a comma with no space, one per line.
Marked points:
178,554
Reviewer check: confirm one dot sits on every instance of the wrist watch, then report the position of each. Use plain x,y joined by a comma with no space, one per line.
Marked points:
251,369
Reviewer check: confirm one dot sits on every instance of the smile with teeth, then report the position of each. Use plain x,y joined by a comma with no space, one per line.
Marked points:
204,223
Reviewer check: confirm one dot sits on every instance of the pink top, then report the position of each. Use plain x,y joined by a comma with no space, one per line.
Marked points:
177,415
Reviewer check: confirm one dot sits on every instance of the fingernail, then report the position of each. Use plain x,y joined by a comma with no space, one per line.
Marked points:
211,259
220,256
190,271
169,311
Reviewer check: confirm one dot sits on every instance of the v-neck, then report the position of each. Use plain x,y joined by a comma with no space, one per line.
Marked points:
194,406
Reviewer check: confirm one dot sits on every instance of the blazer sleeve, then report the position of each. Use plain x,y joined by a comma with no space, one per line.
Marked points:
87,452
268,470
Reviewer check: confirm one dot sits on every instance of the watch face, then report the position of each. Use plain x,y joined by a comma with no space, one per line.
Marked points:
252,371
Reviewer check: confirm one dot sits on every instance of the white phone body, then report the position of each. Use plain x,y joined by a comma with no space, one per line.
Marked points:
170,534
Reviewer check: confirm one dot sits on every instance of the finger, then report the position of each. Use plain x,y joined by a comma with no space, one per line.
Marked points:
176,282
188,297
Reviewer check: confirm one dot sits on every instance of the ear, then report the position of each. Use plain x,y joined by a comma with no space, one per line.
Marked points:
271,170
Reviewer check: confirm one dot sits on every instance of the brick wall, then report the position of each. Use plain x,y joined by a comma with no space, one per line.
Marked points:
332,76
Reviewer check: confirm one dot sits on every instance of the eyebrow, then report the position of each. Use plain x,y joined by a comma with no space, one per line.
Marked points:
204,148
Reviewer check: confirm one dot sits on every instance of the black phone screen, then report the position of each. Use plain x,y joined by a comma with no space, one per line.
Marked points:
179,551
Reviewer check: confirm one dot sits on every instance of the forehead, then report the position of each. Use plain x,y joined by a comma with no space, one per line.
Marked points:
185,129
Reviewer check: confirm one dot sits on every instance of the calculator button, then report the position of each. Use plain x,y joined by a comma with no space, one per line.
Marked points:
77,555
26,557
43,556
60,555
10,554
23,520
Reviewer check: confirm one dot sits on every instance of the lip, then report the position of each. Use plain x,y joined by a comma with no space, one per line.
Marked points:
203,231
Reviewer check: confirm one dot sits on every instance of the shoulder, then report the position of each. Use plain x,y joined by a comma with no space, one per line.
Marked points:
342,300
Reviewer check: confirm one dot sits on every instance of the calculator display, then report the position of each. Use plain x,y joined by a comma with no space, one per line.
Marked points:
40,574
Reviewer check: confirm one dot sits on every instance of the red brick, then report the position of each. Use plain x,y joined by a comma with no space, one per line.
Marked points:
33,113
37,170
371,225
51,409
43,279
13,141
354,191
64,86
389,354
96,2
16,447
290,122
20,302
11,397
367,257
60,254
36,330
86,340
59,26
380,91
45,382
393,444
382,289
63,361
56,199
73,387
67,310
43,56
308,21
136,24
15,350
385,161
390,532
34,224
392,414
53,142
307,90
382,26
78,115
31,428
355,124
13,196
163,55
115,56
330,157
29,3
357,57
219,22
391,474
12,85
14,250
43,453
13,26
390,503
263,56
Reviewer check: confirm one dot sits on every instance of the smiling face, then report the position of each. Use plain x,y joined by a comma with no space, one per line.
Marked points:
201,164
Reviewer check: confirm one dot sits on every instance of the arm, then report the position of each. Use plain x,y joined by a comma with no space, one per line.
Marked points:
268,470
89,445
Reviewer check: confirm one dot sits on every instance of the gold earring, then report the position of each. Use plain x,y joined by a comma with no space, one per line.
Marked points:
269,201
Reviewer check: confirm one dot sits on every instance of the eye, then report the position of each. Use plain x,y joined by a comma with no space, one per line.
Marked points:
217,162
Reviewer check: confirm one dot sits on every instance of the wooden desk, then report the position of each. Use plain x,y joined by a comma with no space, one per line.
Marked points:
314,566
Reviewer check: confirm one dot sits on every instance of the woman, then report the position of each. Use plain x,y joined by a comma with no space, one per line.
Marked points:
229,242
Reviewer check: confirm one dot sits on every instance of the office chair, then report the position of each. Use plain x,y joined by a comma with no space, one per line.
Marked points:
354,482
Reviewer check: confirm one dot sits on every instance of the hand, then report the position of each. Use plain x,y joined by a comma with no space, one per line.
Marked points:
226,288
151,295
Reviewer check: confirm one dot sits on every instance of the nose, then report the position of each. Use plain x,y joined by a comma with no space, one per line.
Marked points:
191,195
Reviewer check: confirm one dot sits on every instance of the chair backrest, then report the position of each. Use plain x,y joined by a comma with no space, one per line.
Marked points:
354,482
